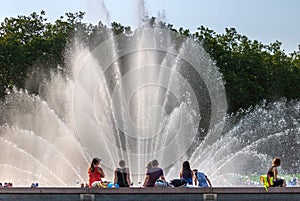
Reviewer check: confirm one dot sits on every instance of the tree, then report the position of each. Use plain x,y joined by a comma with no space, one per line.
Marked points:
252,71
29,40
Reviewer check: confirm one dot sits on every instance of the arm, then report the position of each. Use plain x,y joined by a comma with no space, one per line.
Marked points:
195,178
180,175
163,177
208,182
116,177
100,170
128,177
146,180
275,173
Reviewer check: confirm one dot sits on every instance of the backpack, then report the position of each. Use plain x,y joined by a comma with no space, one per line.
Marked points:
178,182
201,177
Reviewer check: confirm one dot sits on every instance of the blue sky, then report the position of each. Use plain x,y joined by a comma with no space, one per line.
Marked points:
263,20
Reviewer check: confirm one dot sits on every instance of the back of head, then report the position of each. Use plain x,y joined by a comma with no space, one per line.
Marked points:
122,163
94,162
276,161
186,170
186,166
154,163
149,165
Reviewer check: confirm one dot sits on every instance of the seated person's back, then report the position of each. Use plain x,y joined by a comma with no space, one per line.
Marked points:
122,176
154,173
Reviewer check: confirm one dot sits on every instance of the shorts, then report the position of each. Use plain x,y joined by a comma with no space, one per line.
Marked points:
100,184
278,182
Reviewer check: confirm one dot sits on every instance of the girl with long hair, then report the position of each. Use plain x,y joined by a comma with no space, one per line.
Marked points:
95,173
186,173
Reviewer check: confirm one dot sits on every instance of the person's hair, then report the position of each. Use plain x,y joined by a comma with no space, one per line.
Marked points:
94,162
195,170
186,169
154,163
122,163
149,165
276,161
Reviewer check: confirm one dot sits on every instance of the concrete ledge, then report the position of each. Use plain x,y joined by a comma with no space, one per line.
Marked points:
180,190
157,194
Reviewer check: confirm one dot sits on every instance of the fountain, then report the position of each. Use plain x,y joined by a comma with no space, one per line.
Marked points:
149,95
133,97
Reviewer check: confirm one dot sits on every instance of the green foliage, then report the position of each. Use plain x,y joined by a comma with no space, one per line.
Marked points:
28,40
252,71
118,28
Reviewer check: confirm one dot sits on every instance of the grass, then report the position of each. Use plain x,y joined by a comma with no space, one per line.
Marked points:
254,179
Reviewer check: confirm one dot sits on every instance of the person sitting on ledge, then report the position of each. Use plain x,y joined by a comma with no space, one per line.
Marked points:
153,173
202,179
273,174
95,173
122,175
293,181
186,173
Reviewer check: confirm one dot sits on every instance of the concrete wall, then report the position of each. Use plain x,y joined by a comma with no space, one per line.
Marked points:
149,194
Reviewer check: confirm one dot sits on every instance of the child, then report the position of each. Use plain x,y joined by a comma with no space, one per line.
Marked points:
202,179
273,173
95,173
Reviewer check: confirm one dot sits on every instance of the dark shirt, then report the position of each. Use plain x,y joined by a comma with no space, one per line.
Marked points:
270,172
122,177
154,173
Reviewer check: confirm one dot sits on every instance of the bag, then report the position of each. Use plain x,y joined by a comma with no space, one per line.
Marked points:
178,182
100,184
113,185
160,183
201,179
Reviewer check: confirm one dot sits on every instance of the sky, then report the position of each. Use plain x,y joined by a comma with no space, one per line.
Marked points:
262,20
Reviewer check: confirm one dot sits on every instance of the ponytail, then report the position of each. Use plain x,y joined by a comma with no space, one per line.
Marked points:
94,161
92,167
